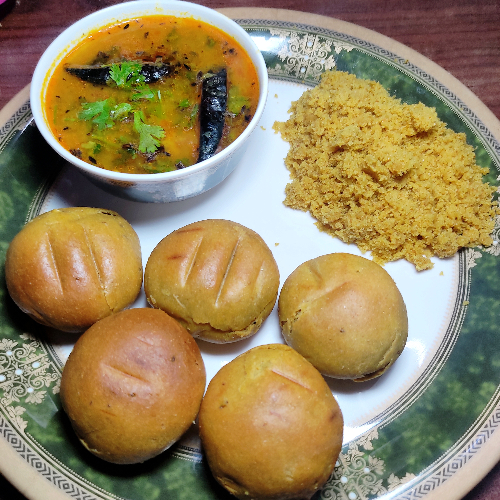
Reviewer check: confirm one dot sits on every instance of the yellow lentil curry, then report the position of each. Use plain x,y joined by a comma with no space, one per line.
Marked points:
387,176
130,97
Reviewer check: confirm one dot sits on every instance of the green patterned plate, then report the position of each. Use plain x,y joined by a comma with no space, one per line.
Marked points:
426,429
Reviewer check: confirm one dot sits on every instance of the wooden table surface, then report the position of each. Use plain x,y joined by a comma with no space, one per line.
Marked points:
462,36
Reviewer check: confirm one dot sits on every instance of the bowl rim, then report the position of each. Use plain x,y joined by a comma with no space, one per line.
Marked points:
76,33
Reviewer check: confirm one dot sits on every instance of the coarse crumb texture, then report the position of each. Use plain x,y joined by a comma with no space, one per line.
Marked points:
388,176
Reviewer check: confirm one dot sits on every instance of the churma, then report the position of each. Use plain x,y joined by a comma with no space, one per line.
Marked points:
387,176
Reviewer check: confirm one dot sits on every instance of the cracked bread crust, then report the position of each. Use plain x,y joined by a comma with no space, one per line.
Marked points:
70,267
270,426
133,385
218,278
344,314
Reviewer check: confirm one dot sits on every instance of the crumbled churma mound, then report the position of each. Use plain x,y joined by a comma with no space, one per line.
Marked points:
388,176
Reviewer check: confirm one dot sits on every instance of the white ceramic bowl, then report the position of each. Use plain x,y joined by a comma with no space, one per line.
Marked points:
162,187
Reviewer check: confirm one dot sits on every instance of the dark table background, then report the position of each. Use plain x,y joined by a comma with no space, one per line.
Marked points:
462,36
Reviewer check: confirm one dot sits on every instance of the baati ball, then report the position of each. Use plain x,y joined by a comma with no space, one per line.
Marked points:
270,426
133,385
218,278
344,314
70,267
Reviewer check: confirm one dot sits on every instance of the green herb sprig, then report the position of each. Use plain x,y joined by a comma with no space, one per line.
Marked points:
127,75
105,113
99,112
148,134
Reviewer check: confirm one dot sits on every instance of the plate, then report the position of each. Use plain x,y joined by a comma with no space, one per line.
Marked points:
425,429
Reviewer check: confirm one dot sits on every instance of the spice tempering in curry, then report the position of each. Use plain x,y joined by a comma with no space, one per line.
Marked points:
152,95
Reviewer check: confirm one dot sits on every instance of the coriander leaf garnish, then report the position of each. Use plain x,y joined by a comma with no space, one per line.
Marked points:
142,91
236,101
120,111
104,113
148,134
193,115
126,74
92,145
99,112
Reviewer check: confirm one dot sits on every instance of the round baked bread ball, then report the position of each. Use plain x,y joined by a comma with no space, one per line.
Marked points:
132,385
70,267
345,315
270,426
218,278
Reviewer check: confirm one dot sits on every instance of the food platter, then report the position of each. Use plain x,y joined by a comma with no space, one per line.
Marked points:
425,429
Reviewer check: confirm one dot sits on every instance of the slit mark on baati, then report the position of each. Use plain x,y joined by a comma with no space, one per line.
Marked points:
226,272
96,267
54,262
145,341
193,260
291,379
107,413
126,374
258,282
